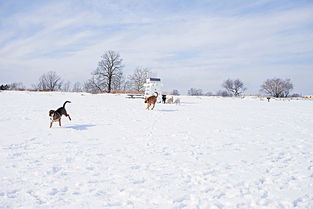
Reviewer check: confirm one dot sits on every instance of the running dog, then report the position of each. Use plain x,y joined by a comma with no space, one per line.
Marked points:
55,115
151,101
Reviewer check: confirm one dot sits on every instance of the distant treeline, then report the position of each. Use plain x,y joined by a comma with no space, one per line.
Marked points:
108,77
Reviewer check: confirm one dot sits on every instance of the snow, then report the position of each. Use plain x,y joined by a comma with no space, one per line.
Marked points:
208,152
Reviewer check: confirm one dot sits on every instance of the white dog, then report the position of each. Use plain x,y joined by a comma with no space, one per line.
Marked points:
177,101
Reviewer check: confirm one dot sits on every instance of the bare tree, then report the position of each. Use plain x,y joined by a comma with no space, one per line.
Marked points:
118,82
94,85
66,86
235,87
49,81
109,73
18,85
175,92
127,86
277,87
288,86
138,79
195,92
77,87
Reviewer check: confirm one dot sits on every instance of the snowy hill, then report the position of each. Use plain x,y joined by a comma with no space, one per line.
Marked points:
207,152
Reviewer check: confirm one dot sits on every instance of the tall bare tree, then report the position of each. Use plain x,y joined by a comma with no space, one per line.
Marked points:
138,79
235,87
49,81
277,87
109,73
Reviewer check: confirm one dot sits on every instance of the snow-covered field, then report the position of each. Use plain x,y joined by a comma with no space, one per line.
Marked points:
205,153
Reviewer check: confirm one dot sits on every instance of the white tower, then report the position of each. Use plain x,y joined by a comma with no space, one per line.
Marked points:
153,85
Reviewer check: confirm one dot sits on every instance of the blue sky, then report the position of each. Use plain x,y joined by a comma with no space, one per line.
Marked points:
189,44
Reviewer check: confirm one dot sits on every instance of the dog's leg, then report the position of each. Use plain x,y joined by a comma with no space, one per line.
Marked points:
60,122
69,117
51,124
152,106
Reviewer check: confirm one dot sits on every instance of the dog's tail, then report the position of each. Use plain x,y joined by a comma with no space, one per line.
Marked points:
65,103
157,94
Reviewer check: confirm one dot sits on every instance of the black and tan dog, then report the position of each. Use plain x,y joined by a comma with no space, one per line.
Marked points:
55,115
151,101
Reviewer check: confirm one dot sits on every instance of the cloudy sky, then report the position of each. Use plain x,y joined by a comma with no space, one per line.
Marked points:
188,44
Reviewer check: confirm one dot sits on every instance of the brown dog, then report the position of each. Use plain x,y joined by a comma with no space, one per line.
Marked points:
55,115
151,101
170,100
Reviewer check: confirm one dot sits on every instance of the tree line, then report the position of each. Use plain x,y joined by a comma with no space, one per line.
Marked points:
275,87
108,77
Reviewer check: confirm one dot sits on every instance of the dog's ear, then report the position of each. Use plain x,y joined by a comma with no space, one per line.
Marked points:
51,112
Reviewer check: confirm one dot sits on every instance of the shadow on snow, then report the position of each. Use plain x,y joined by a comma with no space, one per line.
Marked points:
167,110
80,127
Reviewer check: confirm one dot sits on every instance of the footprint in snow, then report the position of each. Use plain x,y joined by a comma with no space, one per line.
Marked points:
53,192
139,181
135,167
54,170
12,193
181,199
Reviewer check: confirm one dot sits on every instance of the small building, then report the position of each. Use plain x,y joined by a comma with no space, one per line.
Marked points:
308,97
153,85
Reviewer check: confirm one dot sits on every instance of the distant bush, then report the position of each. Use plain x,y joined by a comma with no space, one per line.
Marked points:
4,87
195,92
295,95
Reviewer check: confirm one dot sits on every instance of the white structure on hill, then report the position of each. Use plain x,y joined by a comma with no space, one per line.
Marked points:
153,85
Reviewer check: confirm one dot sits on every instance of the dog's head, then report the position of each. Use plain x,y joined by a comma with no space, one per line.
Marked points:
51,113
146,99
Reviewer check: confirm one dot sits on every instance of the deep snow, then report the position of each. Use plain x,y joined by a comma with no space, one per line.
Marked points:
208,152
